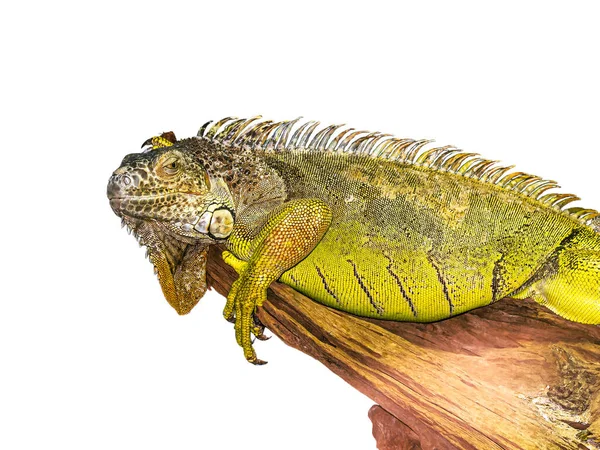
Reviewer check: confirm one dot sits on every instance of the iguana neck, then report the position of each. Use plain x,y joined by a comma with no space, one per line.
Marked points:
253,184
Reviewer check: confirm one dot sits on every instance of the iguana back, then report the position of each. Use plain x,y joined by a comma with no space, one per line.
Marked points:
409,242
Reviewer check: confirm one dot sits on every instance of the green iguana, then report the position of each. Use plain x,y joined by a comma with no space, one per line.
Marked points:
362,222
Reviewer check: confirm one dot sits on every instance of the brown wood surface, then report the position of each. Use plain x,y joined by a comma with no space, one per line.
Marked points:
512,375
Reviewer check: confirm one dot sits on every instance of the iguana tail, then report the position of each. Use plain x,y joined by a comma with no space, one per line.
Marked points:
568,284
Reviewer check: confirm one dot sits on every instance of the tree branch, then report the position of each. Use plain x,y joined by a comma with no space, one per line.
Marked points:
512,375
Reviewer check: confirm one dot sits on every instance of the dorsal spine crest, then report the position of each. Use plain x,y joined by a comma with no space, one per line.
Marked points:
268,136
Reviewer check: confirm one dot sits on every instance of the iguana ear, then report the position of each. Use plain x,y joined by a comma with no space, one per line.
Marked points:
180,267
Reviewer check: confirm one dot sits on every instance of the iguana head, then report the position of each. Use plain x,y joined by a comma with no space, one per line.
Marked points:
167,183
176,210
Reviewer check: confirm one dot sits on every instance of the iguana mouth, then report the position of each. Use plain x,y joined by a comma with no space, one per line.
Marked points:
215,222
164,207
141,199
123,196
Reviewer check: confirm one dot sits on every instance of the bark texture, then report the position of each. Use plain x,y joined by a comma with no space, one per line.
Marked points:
512,375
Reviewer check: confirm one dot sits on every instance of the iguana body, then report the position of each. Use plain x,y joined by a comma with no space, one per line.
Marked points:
364,223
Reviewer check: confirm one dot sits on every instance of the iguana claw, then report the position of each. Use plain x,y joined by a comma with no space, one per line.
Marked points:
259,330
261,337
259,362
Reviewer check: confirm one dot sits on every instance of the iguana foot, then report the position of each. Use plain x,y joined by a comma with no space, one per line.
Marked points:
246,294
228,312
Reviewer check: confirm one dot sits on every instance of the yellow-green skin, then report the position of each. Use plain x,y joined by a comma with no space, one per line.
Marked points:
410,243
378,230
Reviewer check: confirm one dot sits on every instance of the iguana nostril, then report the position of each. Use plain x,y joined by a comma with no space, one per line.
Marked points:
117,184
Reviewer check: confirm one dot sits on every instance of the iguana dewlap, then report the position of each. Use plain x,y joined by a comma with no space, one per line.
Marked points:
362,222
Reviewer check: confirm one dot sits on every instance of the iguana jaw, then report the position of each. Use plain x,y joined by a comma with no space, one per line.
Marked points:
164,206
211,222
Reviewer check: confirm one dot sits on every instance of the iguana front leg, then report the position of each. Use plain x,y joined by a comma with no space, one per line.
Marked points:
290,233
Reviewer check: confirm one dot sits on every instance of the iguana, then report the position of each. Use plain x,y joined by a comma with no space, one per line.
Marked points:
363,222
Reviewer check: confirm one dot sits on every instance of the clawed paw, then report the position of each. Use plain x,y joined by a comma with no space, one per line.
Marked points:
246,294
261,336
259,329
229,318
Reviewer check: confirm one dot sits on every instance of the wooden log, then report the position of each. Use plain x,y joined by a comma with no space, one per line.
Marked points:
512,375
390,433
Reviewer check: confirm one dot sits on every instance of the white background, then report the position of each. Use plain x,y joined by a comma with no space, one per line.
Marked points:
91,356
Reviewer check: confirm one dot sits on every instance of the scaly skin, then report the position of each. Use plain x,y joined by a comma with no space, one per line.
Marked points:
366,224
291,232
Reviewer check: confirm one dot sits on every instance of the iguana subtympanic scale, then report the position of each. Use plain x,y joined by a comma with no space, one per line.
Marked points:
362,222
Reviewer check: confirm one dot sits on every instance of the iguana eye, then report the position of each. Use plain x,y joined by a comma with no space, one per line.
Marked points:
171,166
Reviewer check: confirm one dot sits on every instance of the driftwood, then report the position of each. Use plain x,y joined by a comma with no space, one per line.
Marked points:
512,375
